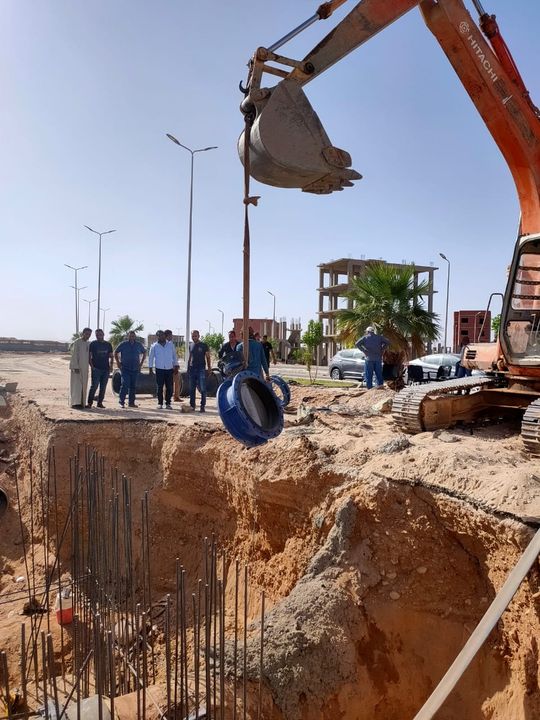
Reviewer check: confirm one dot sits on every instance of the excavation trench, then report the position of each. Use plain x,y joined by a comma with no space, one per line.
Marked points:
374,578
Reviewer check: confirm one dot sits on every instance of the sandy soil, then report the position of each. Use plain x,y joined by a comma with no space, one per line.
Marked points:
487,465
378,552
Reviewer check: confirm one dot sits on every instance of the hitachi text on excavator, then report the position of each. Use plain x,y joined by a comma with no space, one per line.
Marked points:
289,148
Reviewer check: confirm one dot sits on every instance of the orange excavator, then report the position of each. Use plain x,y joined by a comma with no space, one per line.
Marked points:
285,145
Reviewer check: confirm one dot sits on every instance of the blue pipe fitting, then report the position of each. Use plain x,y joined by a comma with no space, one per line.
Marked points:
283,390
249,409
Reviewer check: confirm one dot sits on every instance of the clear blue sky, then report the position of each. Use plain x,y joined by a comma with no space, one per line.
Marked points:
89,90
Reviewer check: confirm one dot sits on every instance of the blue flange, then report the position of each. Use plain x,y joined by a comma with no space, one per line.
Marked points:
284,388
249,409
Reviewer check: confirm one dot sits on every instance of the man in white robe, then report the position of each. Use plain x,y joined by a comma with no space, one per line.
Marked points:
79,366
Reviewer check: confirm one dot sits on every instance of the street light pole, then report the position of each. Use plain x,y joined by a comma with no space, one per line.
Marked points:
273,312
107,232
222,320
477,315
104,311
447,294
188,299
76,288
78,291
89,304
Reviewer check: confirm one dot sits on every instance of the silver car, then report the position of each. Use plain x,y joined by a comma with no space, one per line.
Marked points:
433,367
347,364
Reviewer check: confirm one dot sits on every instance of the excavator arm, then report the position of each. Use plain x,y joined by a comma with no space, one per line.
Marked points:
290,148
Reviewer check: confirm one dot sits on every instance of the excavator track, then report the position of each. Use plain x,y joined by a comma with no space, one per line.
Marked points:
409,404
530,428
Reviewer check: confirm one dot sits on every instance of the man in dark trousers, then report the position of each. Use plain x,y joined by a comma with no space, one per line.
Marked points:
268,350
199,359
129,356
101,363
373,346
163,356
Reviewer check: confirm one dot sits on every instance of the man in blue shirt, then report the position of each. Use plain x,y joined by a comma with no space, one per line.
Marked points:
163,356
373,346
101,354
199,355
257,359
129,356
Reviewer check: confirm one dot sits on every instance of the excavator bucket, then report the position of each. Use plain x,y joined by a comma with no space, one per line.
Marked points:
289,147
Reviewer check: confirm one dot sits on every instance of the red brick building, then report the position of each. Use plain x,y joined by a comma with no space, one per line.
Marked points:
473,326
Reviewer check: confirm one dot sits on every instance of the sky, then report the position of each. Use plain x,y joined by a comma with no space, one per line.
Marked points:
89,89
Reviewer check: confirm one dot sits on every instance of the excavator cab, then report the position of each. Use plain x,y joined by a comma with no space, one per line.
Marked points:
289,147
520,318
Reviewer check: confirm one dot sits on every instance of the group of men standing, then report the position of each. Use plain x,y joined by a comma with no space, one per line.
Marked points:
231,354
96,359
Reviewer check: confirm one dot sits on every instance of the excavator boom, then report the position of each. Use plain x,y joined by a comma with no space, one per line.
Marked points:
290,148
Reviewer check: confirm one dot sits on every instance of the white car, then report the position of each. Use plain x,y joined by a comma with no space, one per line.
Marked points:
433,367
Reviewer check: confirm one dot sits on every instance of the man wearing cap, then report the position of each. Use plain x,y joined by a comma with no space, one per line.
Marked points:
373,346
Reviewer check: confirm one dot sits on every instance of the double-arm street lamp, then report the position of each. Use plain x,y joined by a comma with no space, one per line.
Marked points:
76,288
447,294
78,301
89,305
188,299
101,234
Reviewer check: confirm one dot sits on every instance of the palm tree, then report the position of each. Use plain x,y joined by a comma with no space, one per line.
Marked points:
388,298
120,329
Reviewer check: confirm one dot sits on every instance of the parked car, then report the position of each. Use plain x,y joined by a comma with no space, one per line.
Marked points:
347,364
433,367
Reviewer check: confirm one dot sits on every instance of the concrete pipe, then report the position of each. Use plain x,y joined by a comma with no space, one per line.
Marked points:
146,383
213,381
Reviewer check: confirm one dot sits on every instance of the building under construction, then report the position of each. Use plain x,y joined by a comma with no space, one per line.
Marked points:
334,282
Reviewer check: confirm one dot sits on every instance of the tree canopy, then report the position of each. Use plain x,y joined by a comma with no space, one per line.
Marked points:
387,298
121,327
214,341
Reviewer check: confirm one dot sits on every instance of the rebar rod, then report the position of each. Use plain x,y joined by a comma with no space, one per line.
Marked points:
32,642
176,631
112,676
261,657
5,672
138,663
195,651
244,665
235,655
168,654
23,665
52,674
76,688
184,650
147,528
145,665
44,669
